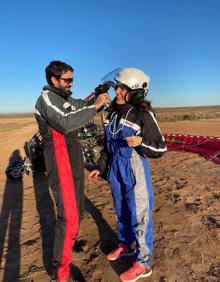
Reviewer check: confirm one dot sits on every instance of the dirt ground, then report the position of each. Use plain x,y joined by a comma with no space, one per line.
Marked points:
186,216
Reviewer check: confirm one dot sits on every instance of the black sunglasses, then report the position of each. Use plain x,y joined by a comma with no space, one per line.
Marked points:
67,80
122,86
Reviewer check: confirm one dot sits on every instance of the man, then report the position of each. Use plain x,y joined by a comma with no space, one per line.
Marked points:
59,116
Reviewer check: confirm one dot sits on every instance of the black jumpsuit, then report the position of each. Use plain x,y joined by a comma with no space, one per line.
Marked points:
59,117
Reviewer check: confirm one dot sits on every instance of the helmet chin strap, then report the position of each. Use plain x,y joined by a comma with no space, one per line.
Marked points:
138,97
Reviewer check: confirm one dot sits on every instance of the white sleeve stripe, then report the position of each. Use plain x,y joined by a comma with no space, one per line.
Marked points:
48,102
130,124
153,117
154,149
37,112
106,122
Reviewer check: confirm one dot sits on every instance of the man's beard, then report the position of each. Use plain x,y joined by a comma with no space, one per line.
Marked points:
67,90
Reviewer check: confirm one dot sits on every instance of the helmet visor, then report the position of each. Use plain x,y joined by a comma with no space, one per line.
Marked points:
109,79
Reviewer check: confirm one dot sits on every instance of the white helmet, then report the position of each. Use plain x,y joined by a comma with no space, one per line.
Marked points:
133,78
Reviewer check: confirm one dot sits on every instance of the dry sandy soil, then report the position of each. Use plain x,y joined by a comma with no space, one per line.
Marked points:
186,215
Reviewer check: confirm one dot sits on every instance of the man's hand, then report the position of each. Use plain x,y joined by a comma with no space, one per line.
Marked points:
102,100
94,175
134,141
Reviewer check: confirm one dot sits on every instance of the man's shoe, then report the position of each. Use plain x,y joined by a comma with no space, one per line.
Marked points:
119,252
78,255
135,272
78,252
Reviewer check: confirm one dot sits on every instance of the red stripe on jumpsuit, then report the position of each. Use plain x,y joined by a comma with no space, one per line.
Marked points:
69,202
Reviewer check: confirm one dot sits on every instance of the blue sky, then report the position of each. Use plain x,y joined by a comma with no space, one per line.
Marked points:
177,43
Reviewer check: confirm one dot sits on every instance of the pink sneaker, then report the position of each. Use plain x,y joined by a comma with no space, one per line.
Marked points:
135,272
121,251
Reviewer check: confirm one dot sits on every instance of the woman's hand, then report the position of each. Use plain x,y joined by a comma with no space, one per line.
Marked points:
134,141
94,175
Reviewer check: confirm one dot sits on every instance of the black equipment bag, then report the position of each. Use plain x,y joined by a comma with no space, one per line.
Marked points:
34,151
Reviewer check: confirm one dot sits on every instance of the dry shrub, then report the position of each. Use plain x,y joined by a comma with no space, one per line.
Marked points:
188,113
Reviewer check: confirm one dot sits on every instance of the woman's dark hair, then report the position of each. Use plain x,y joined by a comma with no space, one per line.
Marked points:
56,68
144,105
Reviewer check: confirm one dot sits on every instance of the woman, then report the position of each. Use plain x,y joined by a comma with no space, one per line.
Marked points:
131,136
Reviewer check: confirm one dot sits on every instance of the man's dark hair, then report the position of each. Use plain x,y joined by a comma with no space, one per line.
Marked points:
56,68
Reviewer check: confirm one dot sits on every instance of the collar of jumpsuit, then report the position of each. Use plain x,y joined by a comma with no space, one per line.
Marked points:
122,109
57,91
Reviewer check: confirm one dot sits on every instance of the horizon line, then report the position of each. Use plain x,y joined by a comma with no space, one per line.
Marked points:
165,107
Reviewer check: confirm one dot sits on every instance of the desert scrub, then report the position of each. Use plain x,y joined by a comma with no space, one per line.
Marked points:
188,113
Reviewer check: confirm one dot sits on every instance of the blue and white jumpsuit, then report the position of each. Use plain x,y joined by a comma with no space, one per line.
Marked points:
128,174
